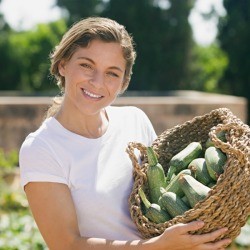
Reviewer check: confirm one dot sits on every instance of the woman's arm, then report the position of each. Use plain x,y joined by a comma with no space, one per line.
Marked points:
54,213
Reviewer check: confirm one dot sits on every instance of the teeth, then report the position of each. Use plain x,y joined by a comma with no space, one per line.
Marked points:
91,94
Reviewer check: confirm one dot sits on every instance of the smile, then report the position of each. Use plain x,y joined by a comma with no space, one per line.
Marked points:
91,94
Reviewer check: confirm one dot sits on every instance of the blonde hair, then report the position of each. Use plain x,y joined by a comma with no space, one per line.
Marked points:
80,35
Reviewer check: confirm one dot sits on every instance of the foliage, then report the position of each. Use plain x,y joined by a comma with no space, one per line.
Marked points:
26,64
12,201
8,159
80,9
9,74
207,68
167,58
234,36
19,232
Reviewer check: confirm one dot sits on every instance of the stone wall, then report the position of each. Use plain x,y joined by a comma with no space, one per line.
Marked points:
21,115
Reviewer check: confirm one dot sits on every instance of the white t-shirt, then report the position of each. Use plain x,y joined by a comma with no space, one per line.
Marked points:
98,171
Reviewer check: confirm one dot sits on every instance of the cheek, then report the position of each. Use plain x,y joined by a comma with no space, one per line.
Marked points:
115,88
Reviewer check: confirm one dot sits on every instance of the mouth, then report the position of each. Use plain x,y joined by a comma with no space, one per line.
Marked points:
91,95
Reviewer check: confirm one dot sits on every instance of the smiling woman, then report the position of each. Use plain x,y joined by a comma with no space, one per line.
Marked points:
74,169
93,77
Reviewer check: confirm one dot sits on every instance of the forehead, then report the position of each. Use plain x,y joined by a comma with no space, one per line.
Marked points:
98,50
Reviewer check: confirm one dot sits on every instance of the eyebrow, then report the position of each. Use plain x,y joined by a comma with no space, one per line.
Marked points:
90,60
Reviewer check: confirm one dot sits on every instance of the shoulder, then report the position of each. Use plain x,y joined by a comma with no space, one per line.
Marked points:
37,140
39,160
128,114
133,120
127,111
44,128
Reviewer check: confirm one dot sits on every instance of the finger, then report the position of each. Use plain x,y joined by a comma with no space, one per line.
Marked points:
222,244
191,226
209,237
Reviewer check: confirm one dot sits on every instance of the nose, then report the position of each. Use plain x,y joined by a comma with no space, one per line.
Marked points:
97,79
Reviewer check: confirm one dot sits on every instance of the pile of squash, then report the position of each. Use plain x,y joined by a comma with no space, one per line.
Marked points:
192,173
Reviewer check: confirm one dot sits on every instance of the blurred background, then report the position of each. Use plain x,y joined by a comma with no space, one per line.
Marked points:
192,45
182,45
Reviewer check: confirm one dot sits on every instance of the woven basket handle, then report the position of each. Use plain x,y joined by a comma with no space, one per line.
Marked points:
135,161
224,146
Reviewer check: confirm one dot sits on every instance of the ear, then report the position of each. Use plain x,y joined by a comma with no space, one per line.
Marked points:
61,67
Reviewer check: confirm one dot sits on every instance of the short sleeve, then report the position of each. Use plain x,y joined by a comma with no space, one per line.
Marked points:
148,128
38,163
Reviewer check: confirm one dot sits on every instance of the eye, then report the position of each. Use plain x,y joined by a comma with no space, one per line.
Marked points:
86,66
112,74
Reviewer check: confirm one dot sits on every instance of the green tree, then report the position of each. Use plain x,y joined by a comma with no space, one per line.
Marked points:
26,64
234,37
208,65
10,72
162,33
80,9
163,37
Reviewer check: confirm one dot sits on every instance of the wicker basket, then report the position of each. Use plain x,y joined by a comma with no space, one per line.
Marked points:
228,202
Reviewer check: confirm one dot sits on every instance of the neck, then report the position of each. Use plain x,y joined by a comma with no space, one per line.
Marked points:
93,126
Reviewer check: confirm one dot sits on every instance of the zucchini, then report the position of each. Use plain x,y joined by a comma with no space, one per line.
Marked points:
174,185
215,160
199,170
181,160
193,189
220,135
184,198
153,211
155,176
211,184
173,204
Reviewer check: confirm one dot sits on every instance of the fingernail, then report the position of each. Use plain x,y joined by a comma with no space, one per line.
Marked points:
200,223
228,242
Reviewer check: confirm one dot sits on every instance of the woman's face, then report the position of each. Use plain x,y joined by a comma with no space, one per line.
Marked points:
93,77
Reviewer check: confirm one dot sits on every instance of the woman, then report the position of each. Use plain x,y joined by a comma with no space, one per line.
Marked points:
74,168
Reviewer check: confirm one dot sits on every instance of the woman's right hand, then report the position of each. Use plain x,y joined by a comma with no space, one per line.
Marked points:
177,237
